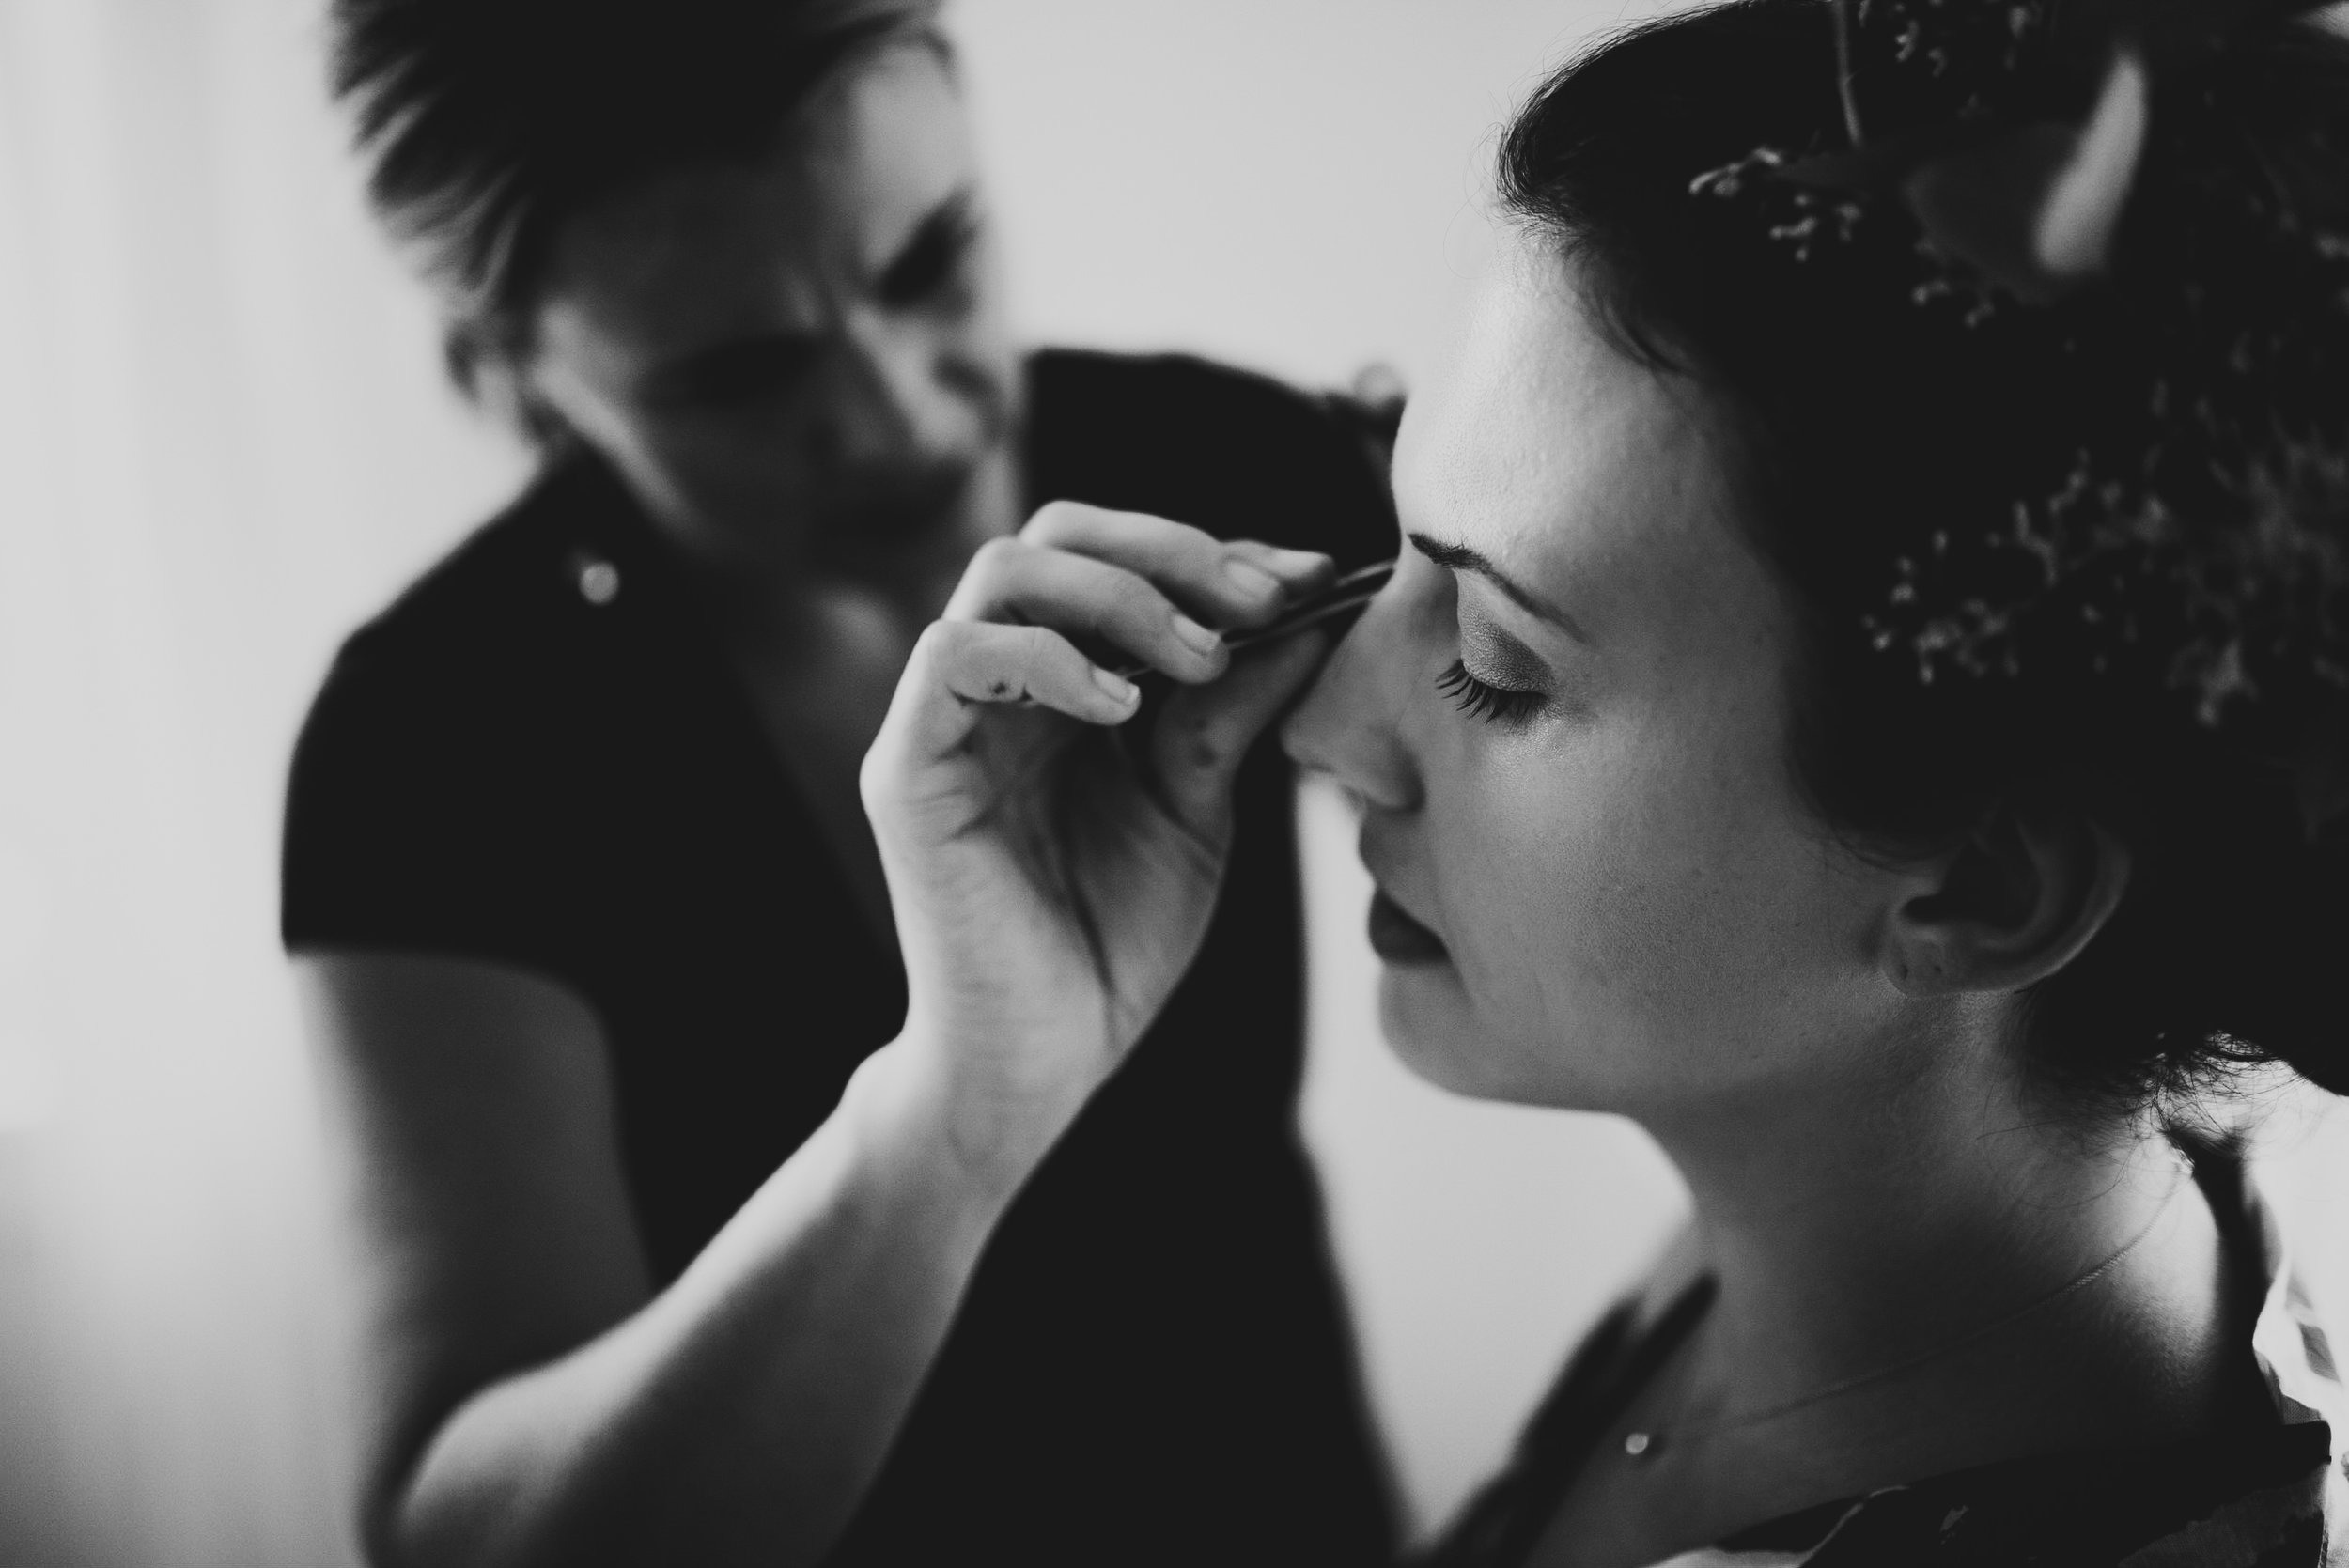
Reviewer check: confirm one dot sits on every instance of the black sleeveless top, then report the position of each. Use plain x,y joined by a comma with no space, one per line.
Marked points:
539,755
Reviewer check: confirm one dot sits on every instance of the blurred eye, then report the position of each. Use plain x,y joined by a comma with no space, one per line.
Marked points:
934,258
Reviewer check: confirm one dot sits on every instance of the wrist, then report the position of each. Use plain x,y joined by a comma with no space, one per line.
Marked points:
907,1120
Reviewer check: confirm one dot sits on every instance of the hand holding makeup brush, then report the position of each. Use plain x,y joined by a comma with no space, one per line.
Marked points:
1051,885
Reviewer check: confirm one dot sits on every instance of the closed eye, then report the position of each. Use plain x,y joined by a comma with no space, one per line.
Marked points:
934,257
1496,705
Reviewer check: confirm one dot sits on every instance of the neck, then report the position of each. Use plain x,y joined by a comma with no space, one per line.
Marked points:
1862,1230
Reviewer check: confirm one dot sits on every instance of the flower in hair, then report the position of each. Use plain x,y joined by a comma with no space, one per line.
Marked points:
2086,214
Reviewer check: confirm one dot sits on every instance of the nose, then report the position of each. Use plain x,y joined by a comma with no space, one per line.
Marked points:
1349,728
894,394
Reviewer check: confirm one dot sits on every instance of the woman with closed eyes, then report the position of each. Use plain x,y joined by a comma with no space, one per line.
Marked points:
1866,695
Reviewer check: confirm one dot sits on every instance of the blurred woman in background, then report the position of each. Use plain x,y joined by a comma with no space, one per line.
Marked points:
655,1269
1867,697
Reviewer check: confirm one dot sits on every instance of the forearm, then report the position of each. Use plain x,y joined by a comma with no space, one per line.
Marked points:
742,1413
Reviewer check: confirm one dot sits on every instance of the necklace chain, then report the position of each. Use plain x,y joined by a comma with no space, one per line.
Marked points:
1645,1441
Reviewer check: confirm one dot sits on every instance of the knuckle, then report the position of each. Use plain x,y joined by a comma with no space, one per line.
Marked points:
872,778
1131,599
881,775
1052,660
953,652
1192,540
1056,520
1040,646
994,560
937,644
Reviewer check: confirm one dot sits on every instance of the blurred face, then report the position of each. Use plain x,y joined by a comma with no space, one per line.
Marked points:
796,361
1564,721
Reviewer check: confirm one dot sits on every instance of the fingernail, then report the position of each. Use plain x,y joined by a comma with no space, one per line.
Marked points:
1119,688
1196,637
1252,579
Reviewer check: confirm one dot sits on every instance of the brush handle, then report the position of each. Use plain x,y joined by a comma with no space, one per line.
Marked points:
1348,594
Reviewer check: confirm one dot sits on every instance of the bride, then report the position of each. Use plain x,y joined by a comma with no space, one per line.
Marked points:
1866,695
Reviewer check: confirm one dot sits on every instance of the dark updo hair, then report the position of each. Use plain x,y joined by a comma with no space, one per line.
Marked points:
489,122
2090,553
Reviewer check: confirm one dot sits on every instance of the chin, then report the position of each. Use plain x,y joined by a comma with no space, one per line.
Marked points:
1424,1012
1432,1028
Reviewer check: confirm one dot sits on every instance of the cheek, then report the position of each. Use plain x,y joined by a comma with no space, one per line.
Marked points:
679,462
1633,903
976,322
722,466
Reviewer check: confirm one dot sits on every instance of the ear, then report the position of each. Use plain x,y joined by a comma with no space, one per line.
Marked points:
2020,900
499,378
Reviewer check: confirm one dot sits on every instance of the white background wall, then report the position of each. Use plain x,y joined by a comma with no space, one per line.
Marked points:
223,439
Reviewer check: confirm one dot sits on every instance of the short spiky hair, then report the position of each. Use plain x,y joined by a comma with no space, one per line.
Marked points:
487,122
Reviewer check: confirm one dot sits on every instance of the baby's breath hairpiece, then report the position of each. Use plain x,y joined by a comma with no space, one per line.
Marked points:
2071,200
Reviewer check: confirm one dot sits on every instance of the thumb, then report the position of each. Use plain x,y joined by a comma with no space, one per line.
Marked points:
1204,736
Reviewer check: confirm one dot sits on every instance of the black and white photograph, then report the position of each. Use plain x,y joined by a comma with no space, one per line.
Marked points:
1175,784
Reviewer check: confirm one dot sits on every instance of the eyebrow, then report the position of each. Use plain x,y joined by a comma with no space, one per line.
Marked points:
1461,558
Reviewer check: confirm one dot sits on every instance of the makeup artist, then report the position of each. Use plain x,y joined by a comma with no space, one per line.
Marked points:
591,924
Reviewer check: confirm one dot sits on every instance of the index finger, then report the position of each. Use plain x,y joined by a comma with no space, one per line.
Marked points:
1228,583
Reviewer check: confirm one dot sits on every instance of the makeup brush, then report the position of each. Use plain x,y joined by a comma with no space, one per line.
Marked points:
1343,598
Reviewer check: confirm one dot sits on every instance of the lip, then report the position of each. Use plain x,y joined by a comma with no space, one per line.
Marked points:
1398,939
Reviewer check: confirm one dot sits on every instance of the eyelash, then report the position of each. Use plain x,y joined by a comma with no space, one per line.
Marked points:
1495,705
